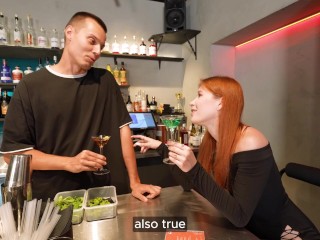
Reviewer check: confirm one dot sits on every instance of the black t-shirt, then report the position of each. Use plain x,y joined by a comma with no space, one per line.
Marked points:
257,199
58,114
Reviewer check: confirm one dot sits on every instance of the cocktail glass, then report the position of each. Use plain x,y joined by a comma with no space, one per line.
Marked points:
171,122
101,141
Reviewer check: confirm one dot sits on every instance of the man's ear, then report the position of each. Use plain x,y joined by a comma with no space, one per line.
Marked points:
68,32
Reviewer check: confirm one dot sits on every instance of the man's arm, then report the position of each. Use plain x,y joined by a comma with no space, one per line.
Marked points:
137,188
84,161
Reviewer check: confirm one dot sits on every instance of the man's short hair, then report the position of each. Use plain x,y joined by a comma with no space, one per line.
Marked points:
82,15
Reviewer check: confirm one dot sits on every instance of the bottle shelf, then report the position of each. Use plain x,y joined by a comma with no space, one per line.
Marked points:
177,37
35,52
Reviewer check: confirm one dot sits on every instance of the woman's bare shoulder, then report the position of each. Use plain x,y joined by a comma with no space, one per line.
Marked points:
251,139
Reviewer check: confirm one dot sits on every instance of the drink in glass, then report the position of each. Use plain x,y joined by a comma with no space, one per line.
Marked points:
171,122
101,141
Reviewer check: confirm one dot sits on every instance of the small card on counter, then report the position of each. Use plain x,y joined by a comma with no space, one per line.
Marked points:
188,235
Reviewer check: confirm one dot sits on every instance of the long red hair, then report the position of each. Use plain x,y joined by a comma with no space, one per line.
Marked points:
215,154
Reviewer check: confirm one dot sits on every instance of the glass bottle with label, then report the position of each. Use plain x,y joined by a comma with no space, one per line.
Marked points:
39,64
115,45
123,75
5,72
3,30
4,103
152,49
184,136
55,60
42,38
134,48
28,71
54,39
30,35
125,46
16,75
153,105
129,105
116,72
143,102
142,48
17,32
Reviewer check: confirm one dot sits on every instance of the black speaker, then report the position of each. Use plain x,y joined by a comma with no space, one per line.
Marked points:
174,15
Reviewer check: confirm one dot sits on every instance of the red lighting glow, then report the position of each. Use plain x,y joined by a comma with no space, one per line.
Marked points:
279,29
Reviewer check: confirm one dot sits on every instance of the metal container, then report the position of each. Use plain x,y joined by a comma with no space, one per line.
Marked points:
17,187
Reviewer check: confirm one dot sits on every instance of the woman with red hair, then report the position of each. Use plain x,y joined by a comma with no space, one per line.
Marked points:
235,170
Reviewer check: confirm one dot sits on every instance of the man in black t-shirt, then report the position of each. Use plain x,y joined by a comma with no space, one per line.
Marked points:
55,111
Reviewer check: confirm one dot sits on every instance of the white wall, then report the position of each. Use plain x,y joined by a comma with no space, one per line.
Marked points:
134,17
280,76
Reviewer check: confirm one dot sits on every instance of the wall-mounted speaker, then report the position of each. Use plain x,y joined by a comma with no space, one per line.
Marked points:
174,15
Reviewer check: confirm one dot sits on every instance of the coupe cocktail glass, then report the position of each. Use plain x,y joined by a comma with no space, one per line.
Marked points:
171,122
101,141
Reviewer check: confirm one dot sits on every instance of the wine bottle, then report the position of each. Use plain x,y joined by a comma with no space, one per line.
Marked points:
5,72
3,30
123,75
153,105
30,36
134,47
17,32
42,38
116,72
125,46
129,105
5,103
142,48
54,39
152,49
184,136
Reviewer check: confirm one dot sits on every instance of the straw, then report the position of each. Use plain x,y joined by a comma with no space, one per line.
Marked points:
29,229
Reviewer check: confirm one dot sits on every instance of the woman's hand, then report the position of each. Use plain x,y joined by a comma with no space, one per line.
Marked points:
181,155
145,142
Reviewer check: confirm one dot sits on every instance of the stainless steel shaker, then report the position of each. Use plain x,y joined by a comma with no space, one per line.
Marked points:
17,186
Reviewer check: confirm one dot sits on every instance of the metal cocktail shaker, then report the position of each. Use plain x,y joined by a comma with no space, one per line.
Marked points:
17,186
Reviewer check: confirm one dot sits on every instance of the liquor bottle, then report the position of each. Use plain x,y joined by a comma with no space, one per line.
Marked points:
16,75
123,75
116,72
4,103
28,71
39,64
136,105
148,103
142,48
109,68
3,30
106,47
129,104
17,32
193,132
47,63
153,105
152,49
125,46
54,39
143,102
5,72
55,60
115,45
30,36
184,136
42,38
134,46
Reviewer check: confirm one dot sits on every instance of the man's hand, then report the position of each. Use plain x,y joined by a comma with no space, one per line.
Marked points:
86,161
143,192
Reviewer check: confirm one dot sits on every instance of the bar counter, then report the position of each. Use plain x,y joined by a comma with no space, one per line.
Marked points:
172,202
